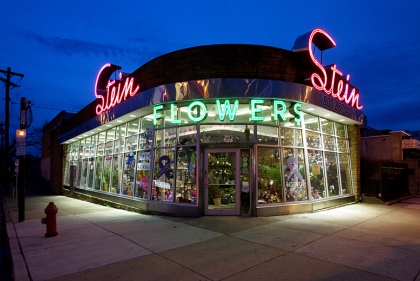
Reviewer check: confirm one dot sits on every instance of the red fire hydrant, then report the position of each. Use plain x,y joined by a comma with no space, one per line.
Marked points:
50,220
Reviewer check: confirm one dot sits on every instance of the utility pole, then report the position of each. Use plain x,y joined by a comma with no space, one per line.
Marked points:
8,84
21,153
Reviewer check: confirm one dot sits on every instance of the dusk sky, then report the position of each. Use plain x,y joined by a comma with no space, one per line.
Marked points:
61,45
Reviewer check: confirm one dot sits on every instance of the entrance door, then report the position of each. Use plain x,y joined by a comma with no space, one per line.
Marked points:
222,181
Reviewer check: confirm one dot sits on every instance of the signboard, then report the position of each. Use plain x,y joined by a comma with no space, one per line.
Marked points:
20,142
327,79
112,92
316,169
407,144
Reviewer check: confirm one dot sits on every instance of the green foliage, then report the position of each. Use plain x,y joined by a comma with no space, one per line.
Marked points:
270,173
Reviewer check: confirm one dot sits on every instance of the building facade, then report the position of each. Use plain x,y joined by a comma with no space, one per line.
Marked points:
219,130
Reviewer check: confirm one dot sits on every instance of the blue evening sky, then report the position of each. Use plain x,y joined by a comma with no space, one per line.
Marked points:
60,45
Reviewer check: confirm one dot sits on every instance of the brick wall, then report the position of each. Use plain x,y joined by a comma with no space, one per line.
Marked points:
52,151
223,61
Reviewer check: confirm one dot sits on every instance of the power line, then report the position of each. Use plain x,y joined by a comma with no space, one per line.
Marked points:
60,109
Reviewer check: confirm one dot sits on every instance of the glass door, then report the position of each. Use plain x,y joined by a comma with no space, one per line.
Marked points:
222,182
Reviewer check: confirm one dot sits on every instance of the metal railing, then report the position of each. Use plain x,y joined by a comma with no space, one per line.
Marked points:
388,179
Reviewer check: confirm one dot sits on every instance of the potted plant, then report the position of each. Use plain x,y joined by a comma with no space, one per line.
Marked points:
214,193
105,179
225,198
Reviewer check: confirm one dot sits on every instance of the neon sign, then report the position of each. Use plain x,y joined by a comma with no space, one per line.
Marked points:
197,111
111,92
329,80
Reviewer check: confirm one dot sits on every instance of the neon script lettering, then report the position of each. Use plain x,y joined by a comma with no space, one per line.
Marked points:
197,111
328,84
112,92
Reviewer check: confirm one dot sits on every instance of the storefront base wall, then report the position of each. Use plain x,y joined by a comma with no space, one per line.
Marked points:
278,210
185,210
138,206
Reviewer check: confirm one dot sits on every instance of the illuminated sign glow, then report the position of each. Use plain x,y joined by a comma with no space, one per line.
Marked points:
109,91
330,80
202,111
197,111
227,109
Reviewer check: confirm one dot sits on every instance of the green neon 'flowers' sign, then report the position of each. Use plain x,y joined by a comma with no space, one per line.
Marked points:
197,111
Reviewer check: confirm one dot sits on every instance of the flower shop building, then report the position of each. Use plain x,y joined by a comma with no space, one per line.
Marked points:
219,130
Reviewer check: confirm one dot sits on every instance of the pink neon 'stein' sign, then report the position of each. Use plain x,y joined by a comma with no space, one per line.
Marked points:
330,79
109,91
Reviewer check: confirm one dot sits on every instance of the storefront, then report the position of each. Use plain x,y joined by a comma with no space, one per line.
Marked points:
220,130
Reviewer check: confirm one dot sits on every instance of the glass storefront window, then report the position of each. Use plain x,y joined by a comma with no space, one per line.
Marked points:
267,135
294,175
106,177
329,143
120,131
67,173
91,165
187,134
340,130
142,180
133,127
165,137
99,174
81,149
110,134
119,138
78,172
186,189
316,170
345,173
83,176
231,133
313,140
167,118
128,179
147,123
163,175
119,145
311,122
117,172
94,141
291,137
101,138
100,150
131,143
109,147
327,126
332,173
119,160
269,175
145,140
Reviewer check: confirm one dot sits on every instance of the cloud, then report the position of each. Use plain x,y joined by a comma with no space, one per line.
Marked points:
70,47
146,40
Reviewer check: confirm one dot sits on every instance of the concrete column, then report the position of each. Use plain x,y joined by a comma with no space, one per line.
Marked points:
396,145
354,142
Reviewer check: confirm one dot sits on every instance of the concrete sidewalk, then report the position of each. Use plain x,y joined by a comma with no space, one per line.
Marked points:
354,242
